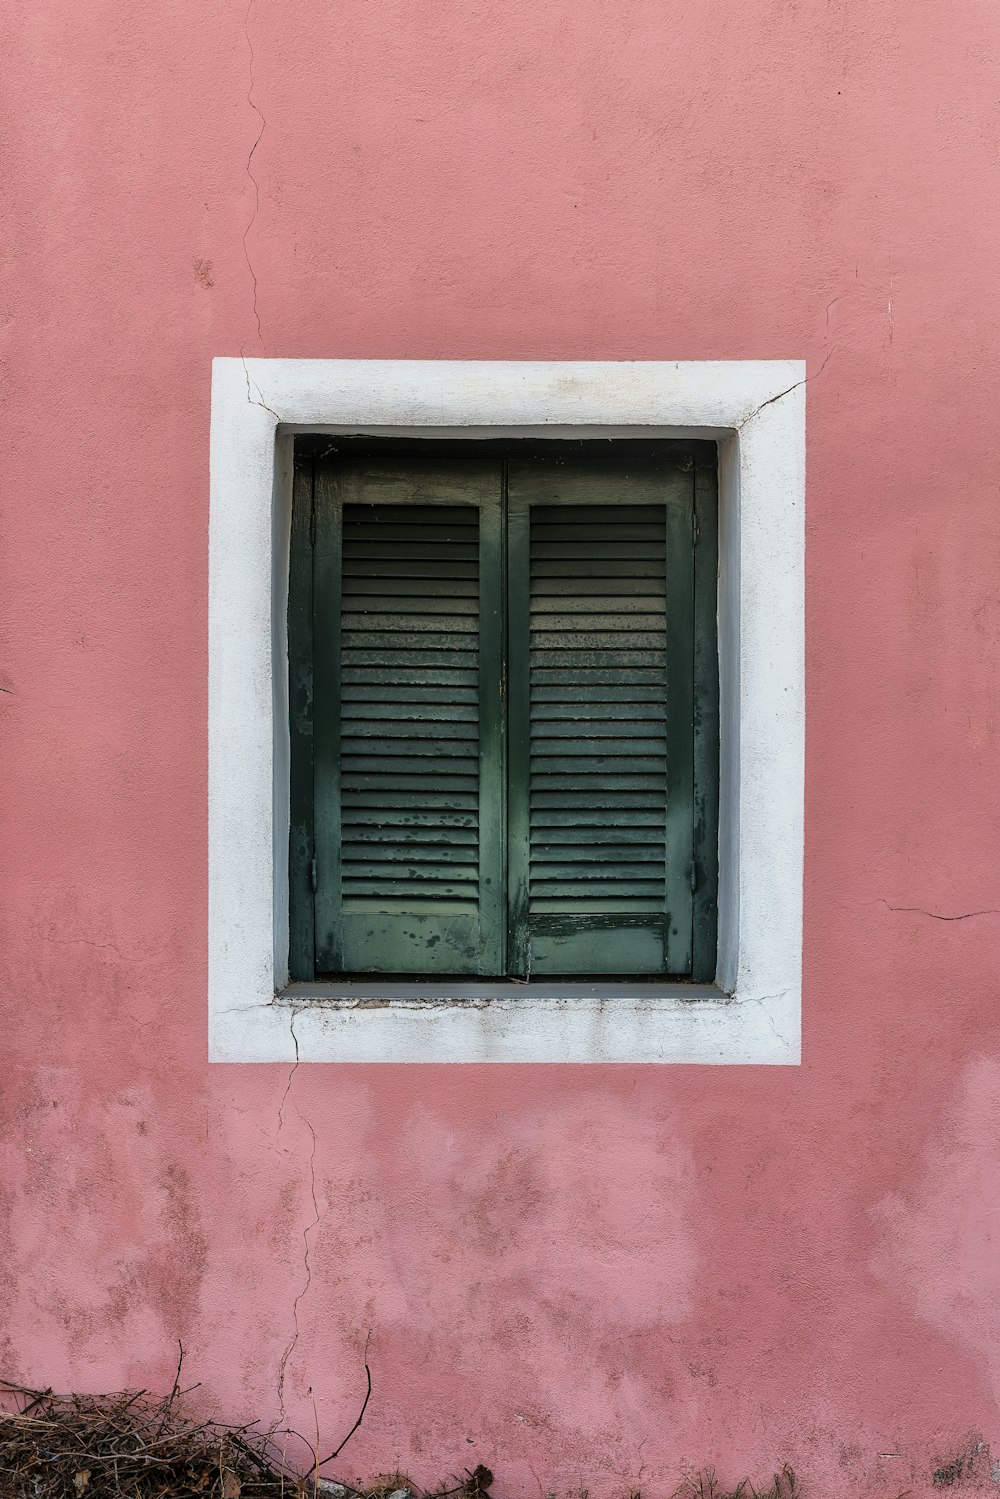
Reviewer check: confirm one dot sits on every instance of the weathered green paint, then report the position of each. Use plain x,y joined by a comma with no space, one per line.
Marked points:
508,767
301,851
518,736
706,714
326,554
679,811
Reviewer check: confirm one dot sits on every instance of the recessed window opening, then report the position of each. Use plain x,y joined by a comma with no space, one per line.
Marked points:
503,696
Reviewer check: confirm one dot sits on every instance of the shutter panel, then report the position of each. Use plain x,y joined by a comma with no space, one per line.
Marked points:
408,780
601,737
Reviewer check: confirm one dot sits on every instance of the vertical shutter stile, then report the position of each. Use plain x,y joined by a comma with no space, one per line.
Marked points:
301,844
705,898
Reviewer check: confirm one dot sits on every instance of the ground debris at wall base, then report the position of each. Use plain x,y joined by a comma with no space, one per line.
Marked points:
101,1446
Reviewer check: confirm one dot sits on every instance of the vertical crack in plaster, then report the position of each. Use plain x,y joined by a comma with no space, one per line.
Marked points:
250,173
291,1074
261,403
307,1230
253,217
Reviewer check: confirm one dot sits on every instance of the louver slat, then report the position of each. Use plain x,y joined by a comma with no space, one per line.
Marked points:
600,637
407,759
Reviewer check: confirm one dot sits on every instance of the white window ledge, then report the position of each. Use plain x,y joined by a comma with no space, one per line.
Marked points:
755,410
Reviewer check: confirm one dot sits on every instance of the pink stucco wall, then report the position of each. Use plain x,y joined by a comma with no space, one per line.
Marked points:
585,1277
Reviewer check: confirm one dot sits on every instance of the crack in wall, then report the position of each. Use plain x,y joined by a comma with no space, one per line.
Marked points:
135,959
290,1346
782,393
250,173
938,915
261,403
294,1068
764,1000
307,1230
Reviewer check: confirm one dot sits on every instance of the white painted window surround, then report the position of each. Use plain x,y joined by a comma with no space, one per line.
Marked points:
755,410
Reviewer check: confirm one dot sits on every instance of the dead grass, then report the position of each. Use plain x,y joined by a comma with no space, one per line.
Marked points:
134,1446
705,1486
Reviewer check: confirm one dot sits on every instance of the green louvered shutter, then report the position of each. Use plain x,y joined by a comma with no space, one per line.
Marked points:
503,692
407,644
601,653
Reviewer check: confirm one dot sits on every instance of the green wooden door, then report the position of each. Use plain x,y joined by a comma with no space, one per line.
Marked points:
408,776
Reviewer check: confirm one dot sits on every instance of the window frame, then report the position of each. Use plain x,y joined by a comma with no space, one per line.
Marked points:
693,465
755,411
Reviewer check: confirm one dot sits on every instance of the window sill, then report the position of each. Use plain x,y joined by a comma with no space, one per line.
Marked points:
371,991
479,1022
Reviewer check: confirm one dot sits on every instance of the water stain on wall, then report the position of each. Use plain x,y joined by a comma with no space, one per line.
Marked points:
939,1236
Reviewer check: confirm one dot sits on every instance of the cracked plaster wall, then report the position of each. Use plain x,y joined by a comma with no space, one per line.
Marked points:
585,1277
